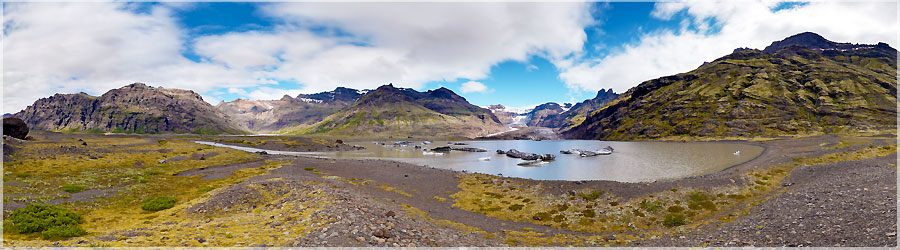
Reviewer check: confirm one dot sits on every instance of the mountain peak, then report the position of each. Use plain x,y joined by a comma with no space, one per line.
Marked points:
604,93
812,41
137,85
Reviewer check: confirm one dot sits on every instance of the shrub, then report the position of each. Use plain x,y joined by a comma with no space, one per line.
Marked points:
309,169
651,206
674,220
675,209
62,232
72,188
698,200
158,203
542,216
54,222
589,213
516,207
638,213
559,218
593,195
153,172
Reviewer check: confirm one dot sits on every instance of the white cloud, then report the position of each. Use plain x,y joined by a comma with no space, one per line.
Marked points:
473,86
410,44
743,24
93,47
268,93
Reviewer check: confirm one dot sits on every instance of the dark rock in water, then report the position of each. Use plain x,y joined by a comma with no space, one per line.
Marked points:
15,128
460,143
500,152
442,149
262,152
528,156
339,141
467,149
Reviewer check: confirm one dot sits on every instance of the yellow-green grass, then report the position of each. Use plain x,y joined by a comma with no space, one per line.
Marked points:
38,171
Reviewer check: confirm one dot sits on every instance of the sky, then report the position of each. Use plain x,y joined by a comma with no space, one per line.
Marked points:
515,54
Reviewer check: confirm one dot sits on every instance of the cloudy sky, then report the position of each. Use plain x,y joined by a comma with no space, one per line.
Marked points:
517,54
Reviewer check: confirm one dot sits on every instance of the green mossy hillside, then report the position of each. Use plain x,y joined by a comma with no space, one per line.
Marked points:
795,91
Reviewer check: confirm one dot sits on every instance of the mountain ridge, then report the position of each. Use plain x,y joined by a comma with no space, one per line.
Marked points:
794,90
305,109
398,112
134,108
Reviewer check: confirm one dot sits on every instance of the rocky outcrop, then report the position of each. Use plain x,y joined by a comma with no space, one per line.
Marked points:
15,127
136,108
824,88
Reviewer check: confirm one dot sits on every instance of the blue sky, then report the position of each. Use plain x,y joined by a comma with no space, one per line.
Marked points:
516,54
508,81
618,23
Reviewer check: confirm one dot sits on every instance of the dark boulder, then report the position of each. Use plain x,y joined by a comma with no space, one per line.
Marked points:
15,128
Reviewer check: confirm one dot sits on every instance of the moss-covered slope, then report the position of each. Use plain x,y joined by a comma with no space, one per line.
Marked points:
795,90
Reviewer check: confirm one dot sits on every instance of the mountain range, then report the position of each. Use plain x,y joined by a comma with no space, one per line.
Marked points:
803,84
401,112
267,116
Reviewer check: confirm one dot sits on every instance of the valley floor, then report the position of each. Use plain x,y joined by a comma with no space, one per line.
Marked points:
815,191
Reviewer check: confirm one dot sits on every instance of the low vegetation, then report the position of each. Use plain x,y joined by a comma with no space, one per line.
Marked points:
158,203
52,222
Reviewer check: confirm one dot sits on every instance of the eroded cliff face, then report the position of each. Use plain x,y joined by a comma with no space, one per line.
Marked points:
136,108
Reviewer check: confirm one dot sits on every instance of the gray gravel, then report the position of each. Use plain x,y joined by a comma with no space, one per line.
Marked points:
846,204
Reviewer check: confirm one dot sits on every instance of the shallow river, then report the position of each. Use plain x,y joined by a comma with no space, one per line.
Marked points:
631,161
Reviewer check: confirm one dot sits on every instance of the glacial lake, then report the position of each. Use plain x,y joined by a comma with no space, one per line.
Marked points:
631,161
